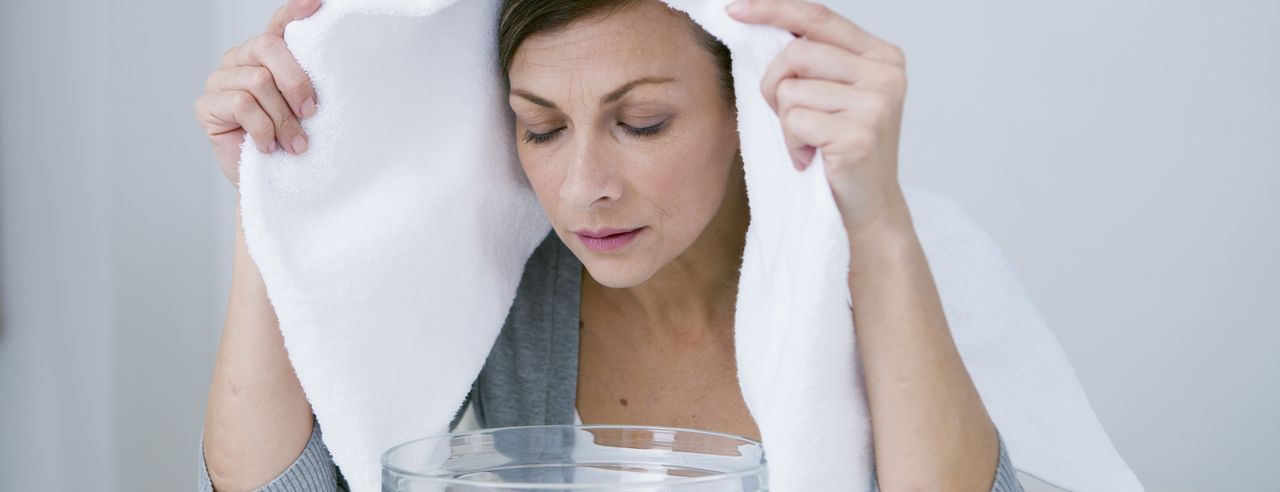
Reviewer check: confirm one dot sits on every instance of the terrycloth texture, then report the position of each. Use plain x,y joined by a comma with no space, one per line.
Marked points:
411,184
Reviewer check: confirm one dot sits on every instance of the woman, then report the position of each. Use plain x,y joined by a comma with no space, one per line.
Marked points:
624,115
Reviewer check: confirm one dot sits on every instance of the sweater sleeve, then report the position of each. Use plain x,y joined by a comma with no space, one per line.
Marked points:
312,471
1005,478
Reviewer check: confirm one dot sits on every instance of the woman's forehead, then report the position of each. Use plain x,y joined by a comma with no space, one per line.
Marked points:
645,35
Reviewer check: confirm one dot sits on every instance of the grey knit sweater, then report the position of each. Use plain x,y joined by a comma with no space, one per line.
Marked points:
529,378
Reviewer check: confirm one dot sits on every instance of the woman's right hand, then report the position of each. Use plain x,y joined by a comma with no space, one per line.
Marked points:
258,89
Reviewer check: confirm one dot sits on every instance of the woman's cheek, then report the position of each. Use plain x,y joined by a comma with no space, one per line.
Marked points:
688,186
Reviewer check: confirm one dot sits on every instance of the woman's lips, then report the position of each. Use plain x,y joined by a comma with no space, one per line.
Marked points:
607,239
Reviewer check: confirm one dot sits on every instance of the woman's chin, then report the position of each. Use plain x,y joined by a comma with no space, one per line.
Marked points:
616,273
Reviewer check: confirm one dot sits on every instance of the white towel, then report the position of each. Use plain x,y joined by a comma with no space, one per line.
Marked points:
391,252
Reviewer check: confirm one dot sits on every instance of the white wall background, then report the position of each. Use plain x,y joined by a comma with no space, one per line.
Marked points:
1125,154
110,294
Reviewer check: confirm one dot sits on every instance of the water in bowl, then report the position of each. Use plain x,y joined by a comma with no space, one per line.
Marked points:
577,457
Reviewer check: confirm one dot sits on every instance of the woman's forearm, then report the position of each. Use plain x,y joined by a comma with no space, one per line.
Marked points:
258,420
931,429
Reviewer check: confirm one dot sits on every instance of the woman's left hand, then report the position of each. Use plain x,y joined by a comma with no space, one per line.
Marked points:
839,89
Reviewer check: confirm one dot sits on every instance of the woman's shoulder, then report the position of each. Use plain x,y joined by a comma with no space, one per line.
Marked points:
549,291
543,297
550,283
545,260
529,375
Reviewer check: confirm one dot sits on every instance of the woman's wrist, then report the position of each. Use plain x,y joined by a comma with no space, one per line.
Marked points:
888,238
874,223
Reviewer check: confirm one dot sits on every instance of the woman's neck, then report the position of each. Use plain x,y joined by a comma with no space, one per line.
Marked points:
696,291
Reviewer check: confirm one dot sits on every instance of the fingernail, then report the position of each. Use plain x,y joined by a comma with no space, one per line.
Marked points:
271,146
299,145
736,7
308,107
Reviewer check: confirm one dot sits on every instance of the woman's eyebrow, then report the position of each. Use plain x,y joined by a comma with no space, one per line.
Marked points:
617,93
606,99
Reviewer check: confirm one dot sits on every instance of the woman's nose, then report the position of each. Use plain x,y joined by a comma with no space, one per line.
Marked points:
591,181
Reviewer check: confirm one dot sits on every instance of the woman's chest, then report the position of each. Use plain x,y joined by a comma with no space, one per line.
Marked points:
688,383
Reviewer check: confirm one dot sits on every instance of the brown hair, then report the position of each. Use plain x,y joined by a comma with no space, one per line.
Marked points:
524,18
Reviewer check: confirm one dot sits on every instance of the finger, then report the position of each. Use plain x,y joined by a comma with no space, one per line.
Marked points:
289,12
225,111
259,82
822,95
811,129
871,109
212,121
229,58
859,110
811,20
810,59
833,97
800,152
269,50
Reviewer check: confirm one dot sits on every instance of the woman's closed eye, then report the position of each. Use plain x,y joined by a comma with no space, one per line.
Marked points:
645,131
538,138
650,130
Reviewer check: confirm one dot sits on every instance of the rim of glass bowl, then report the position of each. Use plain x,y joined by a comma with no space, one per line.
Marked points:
679,481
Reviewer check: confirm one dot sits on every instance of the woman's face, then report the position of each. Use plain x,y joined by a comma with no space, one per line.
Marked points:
621,126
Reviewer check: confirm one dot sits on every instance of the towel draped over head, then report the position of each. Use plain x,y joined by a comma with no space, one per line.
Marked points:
392,249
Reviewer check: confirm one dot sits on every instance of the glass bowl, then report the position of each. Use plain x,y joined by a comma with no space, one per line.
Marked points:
577,457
